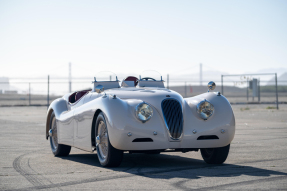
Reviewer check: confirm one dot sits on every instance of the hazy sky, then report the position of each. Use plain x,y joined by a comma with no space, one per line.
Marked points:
38,38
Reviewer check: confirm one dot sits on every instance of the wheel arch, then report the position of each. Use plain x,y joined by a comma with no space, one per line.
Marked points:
93,128
57,106
48,120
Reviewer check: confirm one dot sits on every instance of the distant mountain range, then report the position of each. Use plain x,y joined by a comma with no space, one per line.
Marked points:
281,80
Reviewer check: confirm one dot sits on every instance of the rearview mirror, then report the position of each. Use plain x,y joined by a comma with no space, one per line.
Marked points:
211,85
99,88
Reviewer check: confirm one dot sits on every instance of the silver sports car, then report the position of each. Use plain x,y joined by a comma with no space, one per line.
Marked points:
140,115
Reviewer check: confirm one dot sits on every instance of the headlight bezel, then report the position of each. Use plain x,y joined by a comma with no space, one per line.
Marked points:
205,115
137,112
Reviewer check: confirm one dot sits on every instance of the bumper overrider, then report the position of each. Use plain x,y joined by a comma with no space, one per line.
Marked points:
176,124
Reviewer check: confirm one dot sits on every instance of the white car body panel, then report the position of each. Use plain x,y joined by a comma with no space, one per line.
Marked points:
75,121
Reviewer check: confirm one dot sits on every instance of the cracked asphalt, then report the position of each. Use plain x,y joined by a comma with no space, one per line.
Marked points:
257,159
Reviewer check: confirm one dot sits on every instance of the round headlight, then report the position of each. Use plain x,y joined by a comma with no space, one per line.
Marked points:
205,109
144,112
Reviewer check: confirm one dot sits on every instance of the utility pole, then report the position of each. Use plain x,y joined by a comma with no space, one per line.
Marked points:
276,91
70,77
200,74
29,94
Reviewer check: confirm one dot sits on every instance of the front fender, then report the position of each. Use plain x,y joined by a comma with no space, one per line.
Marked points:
121,120
58,106
120,114
222,119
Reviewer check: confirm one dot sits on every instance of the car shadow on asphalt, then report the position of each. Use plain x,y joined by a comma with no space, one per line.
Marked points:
166,166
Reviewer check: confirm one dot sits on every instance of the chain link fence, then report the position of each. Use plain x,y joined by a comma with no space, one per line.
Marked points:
41,92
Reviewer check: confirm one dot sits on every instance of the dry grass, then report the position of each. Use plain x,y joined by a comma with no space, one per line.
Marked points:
243,109
271,107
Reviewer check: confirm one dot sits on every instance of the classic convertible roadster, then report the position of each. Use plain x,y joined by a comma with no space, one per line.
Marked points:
140,115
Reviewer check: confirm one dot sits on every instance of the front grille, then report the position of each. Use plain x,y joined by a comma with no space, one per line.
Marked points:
172,113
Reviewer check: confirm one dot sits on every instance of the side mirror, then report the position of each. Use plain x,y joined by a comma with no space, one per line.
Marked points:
99,88
211,85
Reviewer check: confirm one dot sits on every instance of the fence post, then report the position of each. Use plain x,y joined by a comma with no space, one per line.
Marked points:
167,81
258,90
276,90
29,94
222,84
247,89
48,99
185,89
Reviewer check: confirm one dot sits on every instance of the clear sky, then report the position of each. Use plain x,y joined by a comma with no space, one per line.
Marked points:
38,37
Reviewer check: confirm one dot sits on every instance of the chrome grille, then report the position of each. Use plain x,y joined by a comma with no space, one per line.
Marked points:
172,113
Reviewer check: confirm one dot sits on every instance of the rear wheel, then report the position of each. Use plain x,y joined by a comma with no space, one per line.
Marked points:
215,155
57,149
107,154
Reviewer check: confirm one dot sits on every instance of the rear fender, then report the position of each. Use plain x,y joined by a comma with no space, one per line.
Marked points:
58,106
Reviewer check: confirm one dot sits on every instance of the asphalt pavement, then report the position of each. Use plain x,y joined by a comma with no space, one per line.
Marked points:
257,159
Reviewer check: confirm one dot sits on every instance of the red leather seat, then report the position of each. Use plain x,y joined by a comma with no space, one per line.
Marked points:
80,94
132,78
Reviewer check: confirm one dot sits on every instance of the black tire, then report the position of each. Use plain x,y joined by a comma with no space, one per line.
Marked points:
215,155
153,152
57,149
112,157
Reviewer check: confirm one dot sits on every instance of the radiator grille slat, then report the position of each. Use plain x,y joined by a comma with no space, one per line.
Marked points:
172,112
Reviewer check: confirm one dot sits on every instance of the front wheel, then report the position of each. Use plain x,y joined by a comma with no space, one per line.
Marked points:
57,149
215,155
107,154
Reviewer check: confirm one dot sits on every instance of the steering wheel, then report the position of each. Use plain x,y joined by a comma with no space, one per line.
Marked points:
148,78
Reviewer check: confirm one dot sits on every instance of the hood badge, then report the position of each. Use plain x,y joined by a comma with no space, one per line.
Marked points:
167,95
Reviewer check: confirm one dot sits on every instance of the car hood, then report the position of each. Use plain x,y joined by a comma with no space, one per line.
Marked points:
149,95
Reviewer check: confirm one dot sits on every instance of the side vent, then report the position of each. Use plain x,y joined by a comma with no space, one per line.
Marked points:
207,137
137,140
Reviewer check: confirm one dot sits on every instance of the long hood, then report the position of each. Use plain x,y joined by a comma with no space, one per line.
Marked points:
150,95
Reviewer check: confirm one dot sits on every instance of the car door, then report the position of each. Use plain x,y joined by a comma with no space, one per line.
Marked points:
66,128
83,116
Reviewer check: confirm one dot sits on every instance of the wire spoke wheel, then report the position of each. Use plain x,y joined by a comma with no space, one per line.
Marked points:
103,145
107,154
57,149
54,135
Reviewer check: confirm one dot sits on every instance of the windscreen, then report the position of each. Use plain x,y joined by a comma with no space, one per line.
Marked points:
105,76
150,75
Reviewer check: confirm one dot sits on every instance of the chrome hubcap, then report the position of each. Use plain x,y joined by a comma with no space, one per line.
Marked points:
102,141
98,140
53,135
50,133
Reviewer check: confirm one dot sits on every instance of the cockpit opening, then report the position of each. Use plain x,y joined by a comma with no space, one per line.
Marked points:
76,96
130,81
